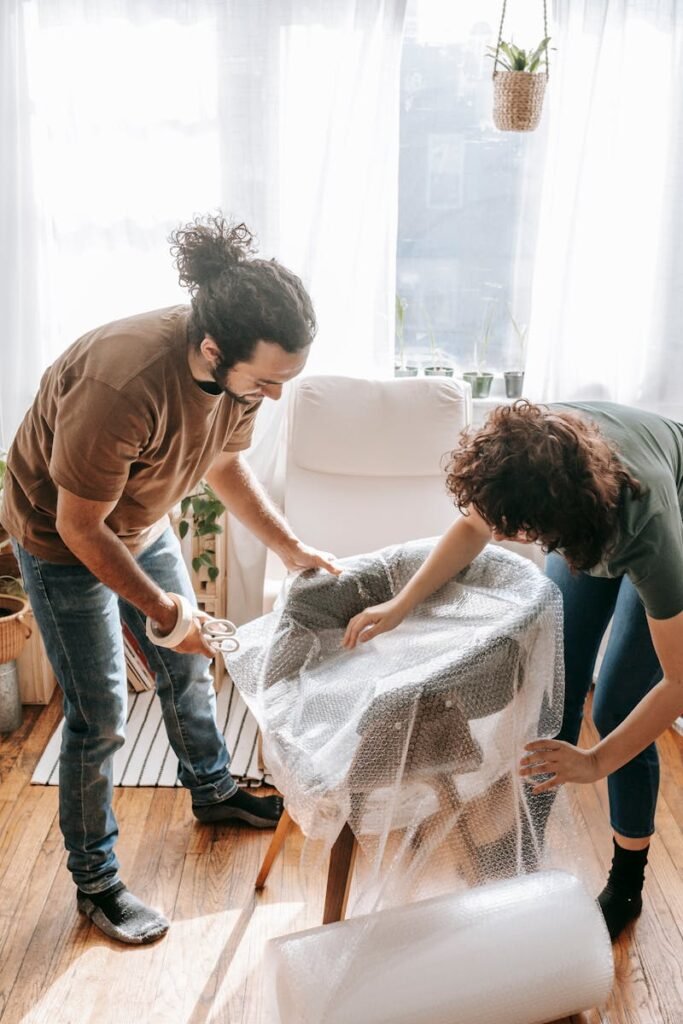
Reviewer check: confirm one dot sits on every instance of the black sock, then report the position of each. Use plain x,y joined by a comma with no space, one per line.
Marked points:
261,812
621,900
122,916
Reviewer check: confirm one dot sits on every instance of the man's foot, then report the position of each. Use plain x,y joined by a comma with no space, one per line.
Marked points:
122,916
259,812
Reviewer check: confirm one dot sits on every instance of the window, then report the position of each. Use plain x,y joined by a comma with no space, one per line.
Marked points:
468,193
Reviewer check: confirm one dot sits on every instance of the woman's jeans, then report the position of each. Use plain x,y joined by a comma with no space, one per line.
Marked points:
79,619
629,670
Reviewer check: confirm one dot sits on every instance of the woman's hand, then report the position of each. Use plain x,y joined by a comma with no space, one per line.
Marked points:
562,761
373,621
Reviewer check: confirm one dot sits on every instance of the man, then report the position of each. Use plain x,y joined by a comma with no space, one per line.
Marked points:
125,423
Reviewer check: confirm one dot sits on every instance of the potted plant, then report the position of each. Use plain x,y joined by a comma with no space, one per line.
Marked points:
6,556
200,512
514,379
401,369
480,380
14,632
439,366
518,84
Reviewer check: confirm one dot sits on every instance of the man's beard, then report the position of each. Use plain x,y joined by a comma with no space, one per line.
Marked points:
220,373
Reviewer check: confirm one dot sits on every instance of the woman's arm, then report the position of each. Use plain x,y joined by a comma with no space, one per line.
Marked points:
648,720
465,539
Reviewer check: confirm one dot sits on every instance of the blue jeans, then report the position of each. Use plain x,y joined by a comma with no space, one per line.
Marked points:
79,619
629,670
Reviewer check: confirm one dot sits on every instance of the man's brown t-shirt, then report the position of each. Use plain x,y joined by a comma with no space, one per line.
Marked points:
118,417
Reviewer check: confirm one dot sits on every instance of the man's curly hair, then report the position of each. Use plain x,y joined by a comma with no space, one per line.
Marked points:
237,298
544,471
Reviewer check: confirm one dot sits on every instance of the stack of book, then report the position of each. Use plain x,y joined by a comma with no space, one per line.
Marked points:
140,675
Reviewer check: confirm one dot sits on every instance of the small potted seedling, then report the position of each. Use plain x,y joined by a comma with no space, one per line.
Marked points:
480,380
514,379
401,368
438,365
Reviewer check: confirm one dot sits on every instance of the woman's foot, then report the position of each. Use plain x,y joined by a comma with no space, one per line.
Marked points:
618,910
621,901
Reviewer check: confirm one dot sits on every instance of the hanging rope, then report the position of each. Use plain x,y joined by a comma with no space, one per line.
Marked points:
500,36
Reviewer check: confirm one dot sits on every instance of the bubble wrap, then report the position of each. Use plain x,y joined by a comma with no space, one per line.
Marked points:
492,955
413,738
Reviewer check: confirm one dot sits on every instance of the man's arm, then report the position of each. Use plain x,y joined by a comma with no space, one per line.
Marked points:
239,490
81,525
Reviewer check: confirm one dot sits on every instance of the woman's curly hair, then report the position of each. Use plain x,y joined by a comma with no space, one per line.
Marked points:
237,298
544,471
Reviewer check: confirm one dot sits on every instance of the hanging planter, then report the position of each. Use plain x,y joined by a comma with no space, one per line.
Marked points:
518,84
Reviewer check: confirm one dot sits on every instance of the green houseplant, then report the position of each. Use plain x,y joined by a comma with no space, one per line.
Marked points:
518,83
480,380
401,368
199,513
438,367
514,379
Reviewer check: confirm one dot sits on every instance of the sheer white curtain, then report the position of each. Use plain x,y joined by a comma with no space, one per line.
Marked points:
122,118
606,317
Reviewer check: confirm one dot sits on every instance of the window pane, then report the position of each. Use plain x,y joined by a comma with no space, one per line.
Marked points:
468,193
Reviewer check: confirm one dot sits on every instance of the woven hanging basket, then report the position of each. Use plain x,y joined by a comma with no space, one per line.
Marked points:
518,100
14,630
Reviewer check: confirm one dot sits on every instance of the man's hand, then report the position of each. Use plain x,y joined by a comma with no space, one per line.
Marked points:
298,556
194,642
373,621
562,761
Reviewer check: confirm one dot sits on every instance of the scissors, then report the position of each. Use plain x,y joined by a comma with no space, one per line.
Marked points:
220,635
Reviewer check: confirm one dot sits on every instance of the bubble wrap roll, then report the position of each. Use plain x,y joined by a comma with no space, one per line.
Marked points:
521,951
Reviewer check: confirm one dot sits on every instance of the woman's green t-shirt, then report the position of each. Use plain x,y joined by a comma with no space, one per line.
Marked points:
649,545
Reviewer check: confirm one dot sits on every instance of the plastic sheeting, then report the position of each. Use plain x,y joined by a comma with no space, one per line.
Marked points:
521,951
412,738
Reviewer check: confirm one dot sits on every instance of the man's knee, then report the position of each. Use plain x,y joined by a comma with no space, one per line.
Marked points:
95,739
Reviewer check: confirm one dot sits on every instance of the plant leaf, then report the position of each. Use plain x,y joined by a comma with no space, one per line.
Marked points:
183,528
213,573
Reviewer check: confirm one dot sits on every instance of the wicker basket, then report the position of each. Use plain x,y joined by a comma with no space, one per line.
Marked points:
518,100
14,630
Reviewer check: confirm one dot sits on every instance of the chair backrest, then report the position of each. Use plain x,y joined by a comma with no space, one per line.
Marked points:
364,460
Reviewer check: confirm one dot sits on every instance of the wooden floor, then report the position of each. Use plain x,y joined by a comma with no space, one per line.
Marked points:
57,969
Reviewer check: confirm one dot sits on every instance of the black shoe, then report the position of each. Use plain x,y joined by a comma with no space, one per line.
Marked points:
259,812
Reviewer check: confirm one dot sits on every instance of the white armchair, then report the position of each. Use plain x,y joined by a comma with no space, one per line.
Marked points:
364,460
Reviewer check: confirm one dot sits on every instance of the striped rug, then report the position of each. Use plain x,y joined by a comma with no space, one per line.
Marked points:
146,758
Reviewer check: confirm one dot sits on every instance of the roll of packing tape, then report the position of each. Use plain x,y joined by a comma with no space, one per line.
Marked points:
182,627
523,951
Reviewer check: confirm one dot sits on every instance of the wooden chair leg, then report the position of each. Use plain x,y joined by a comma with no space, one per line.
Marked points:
276,844
342,860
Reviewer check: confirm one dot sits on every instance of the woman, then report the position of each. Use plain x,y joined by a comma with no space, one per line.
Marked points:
600,486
